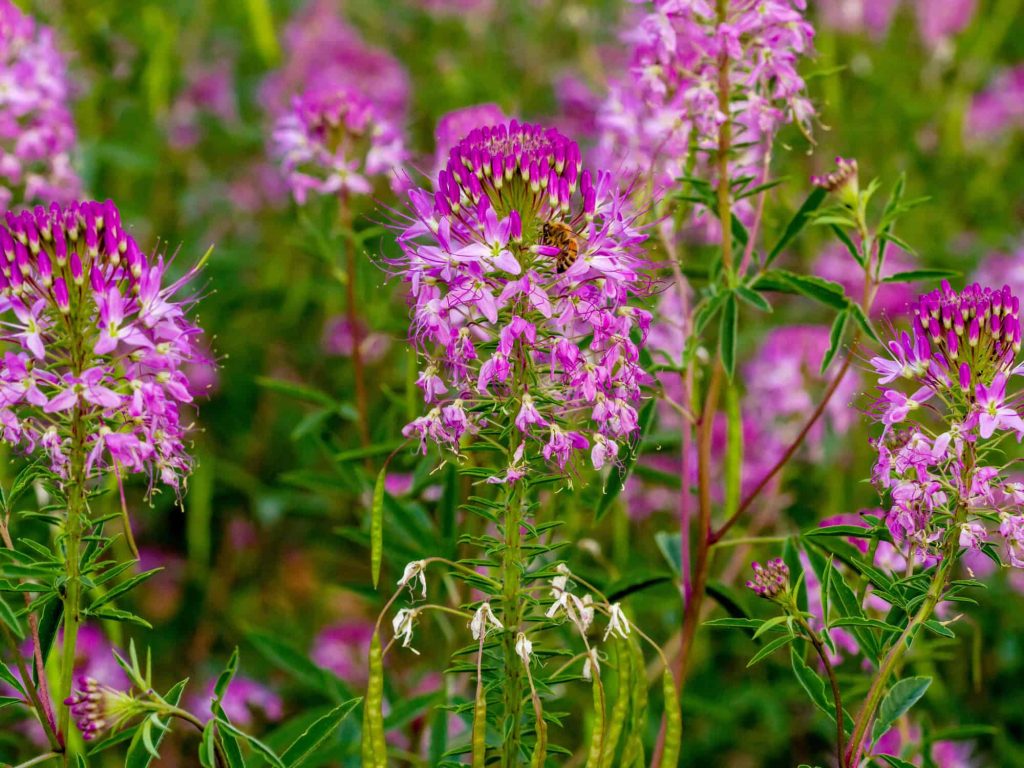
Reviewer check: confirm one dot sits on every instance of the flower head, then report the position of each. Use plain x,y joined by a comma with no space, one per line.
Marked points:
333,142
97,708
520,265
37,135
771,580
94,335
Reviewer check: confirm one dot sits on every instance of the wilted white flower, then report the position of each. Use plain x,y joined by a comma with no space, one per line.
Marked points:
585,607
414,571
591,666
618,624
483,620
524,648
402,624
559,593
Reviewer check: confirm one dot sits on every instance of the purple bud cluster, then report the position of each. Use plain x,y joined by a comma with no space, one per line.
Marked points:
332,141
98,345
769,580
521,264
90,705
958,358
37,135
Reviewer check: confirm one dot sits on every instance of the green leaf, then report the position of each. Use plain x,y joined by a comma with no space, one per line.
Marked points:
620,473
8,677
770,648
670,548
317,733
915,275
895,762
811,683
753,298
864,322
734,623
901,697
225,678
835,338
144,748
860,621
257,746
9,618
377,526
798,222
728,331
122,588
818,289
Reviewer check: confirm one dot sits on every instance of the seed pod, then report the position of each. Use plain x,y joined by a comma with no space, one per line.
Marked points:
480,726
673,722
633,753
597,737
540,749
374,748
624,678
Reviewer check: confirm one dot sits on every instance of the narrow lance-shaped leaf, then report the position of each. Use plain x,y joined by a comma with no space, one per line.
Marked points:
798,222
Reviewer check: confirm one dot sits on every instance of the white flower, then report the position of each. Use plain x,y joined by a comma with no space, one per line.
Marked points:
483,617
559,593
524,648
591,666
618,624
413,571
402,624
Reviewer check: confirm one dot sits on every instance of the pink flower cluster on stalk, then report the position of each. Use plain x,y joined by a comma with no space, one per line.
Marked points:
944,389
670,102
37,135
96,344
334,141
338,106
510,329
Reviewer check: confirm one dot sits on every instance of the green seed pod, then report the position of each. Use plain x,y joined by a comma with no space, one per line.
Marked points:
597,737
374,750
540,749
480,727
624,678
673,722
633,754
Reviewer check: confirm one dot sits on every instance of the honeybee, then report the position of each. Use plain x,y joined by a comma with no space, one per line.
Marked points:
560,235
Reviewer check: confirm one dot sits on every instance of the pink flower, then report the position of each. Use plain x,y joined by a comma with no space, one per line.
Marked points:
993,412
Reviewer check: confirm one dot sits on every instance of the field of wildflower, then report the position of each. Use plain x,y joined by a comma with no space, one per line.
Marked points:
583,383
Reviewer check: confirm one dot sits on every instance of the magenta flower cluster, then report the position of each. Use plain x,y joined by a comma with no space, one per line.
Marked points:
333,142
521,264
670,101
943,391
37,135
98,344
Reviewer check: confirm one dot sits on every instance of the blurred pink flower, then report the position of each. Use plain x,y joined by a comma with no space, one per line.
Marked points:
338,339
939,20
998,109
244,697
342,648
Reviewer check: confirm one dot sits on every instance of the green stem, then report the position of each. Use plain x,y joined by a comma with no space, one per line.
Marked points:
74,528
512,616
